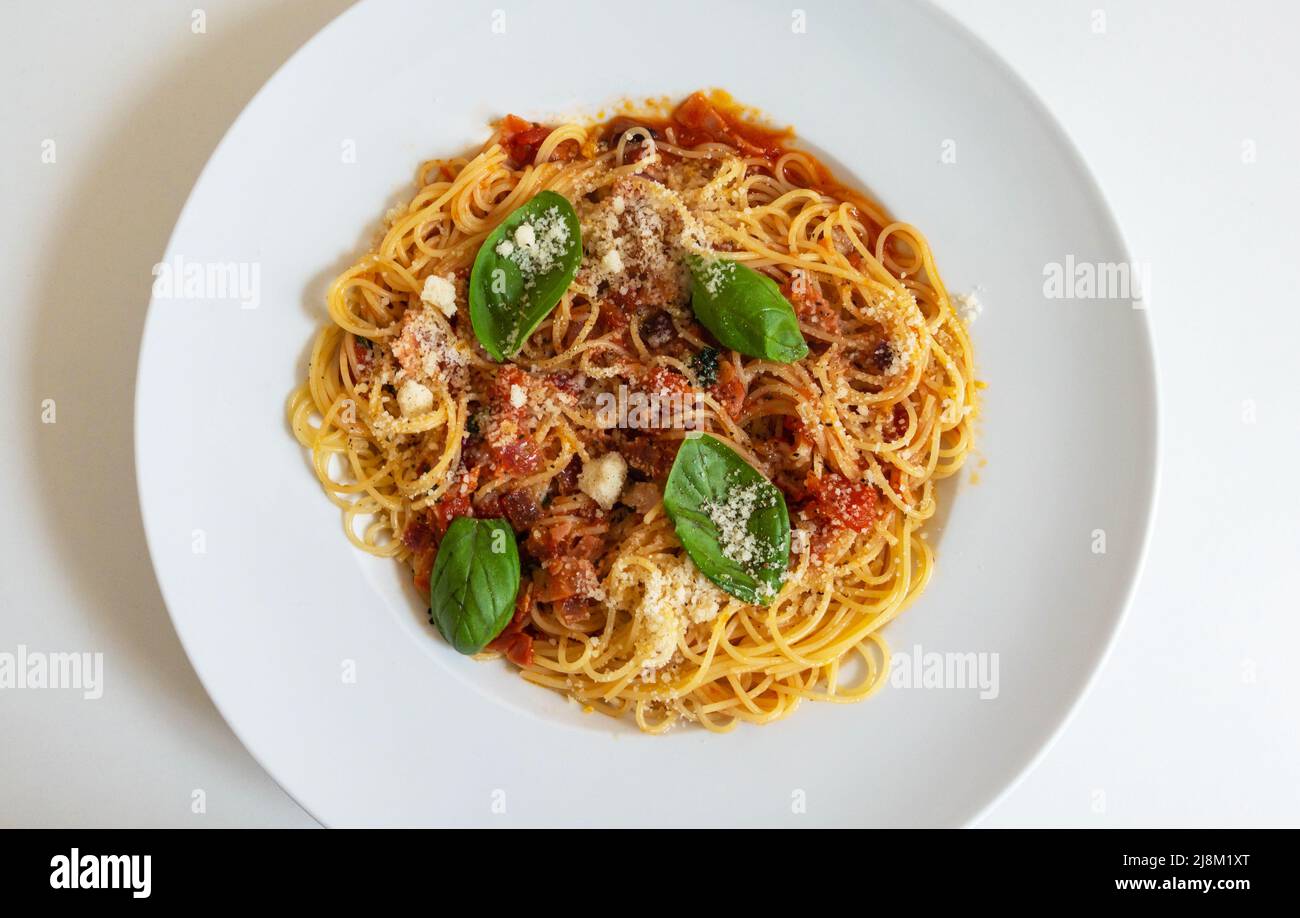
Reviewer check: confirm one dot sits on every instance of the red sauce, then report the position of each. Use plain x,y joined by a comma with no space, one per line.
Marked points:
712,118
715,117
809,303
729,391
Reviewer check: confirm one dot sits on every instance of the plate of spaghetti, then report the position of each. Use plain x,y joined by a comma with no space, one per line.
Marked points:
677,482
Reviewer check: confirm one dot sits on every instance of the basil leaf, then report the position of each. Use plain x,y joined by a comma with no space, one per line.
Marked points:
474,581
745,310
730,519
518,279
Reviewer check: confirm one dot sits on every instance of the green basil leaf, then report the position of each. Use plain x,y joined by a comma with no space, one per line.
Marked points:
730,519
474,581
516,282
745,310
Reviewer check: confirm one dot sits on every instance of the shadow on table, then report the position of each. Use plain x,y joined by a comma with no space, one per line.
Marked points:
86,339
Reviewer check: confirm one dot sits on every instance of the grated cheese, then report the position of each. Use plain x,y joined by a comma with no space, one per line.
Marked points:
717,272
539,242
664,599
427,348
634,241
731,515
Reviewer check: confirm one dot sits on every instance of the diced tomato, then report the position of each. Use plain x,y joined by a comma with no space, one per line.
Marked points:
511,452
503,383
896,426
567,481
518,648
842,503
666,381
650,455
422,537
364,354
520,508
551,541
798,430
589,547
521,139
457,501
614,312
448,509
699,120
565,577
422,567
518,458
513,641
572,382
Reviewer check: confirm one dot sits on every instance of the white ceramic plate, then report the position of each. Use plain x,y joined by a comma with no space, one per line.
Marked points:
276,609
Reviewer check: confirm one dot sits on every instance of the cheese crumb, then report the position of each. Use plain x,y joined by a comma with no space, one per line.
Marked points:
612,262
518,396
440,292
505,247
414,399
525,237
602,479
969,306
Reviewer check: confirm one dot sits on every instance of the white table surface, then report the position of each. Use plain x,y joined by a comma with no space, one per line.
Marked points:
1192,721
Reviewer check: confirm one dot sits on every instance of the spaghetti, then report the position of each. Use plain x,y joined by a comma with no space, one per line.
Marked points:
411,424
